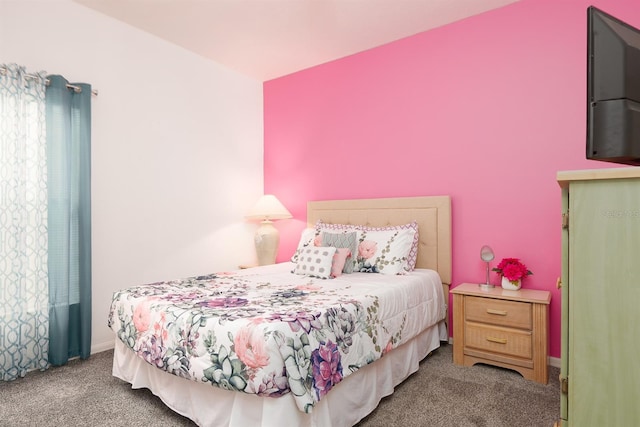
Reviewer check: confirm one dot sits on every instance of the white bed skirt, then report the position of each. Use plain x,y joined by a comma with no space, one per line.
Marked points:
347,403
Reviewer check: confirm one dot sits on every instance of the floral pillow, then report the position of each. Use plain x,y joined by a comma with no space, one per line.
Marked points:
412,256
347,240
315,261
385,251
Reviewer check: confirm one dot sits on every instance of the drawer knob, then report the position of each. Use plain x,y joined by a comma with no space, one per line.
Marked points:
497,312
497,340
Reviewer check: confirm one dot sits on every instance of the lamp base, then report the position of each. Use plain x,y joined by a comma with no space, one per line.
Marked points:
266,240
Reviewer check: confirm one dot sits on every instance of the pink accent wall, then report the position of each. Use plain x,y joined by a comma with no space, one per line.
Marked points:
486,110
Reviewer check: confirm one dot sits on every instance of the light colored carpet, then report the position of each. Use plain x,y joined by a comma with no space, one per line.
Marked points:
83,393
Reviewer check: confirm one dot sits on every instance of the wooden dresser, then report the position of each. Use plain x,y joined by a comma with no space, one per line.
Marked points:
502,328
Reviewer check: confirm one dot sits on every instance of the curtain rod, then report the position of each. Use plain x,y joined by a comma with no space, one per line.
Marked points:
76,89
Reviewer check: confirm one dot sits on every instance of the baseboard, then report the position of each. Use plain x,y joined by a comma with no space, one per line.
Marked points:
551,361
554,361
97,348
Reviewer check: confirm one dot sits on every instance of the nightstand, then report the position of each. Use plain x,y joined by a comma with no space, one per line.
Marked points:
502,328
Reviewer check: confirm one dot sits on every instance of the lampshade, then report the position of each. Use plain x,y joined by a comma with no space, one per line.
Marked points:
267,237
268,207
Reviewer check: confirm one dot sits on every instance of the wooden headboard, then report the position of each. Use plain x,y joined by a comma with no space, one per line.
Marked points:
433,214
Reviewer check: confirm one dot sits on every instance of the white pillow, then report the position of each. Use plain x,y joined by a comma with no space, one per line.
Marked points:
412,256
307,238
384,252
315,261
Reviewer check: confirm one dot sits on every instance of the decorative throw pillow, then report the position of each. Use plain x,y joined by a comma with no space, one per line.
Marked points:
334,228
412,257
339,260
307,238
315,261
349,240
322,227
384,252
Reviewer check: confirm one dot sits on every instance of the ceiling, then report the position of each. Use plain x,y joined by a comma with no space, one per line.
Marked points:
265,39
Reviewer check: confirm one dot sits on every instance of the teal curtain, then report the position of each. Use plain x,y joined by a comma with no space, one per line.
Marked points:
24,295
68,112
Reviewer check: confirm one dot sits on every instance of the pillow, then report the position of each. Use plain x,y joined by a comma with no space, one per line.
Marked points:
334,228
315,261
412,257
385,251
347,240
307,238
339,260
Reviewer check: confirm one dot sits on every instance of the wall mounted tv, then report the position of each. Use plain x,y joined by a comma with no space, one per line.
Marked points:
613,89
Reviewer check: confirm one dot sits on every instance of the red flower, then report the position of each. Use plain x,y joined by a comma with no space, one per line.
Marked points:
512,269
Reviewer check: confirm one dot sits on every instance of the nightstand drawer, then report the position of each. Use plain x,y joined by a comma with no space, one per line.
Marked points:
510,342
498,312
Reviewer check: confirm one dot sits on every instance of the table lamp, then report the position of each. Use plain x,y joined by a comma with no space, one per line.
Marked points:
267,238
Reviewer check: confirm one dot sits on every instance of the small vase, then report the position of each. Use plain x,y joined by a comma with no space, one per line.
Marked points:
510,286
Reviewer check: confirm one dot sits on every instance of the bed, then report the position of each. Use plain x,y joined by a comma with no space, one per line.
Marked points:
291,361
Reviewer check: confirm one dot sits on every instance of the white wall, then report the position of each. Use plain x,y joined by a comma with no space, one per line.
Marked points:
177,148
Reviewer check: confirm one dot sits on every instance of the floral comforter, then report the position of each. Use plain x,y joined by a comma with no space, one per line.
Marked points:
269,332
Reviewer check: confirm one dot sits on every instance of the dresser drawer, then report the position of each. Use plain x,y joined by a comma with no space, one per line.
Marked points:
510,342
498,312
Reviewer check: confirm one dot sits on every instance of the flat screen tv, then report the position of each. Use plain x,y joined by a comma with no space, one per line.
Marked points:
613,89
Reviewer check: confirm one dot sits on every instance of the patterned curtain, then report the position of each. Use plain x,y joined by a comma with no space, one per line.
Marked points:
69,165
24,295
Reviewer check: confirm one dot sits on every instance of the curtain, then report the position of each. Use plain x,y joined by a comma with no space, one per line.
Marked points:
68,112
24,334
